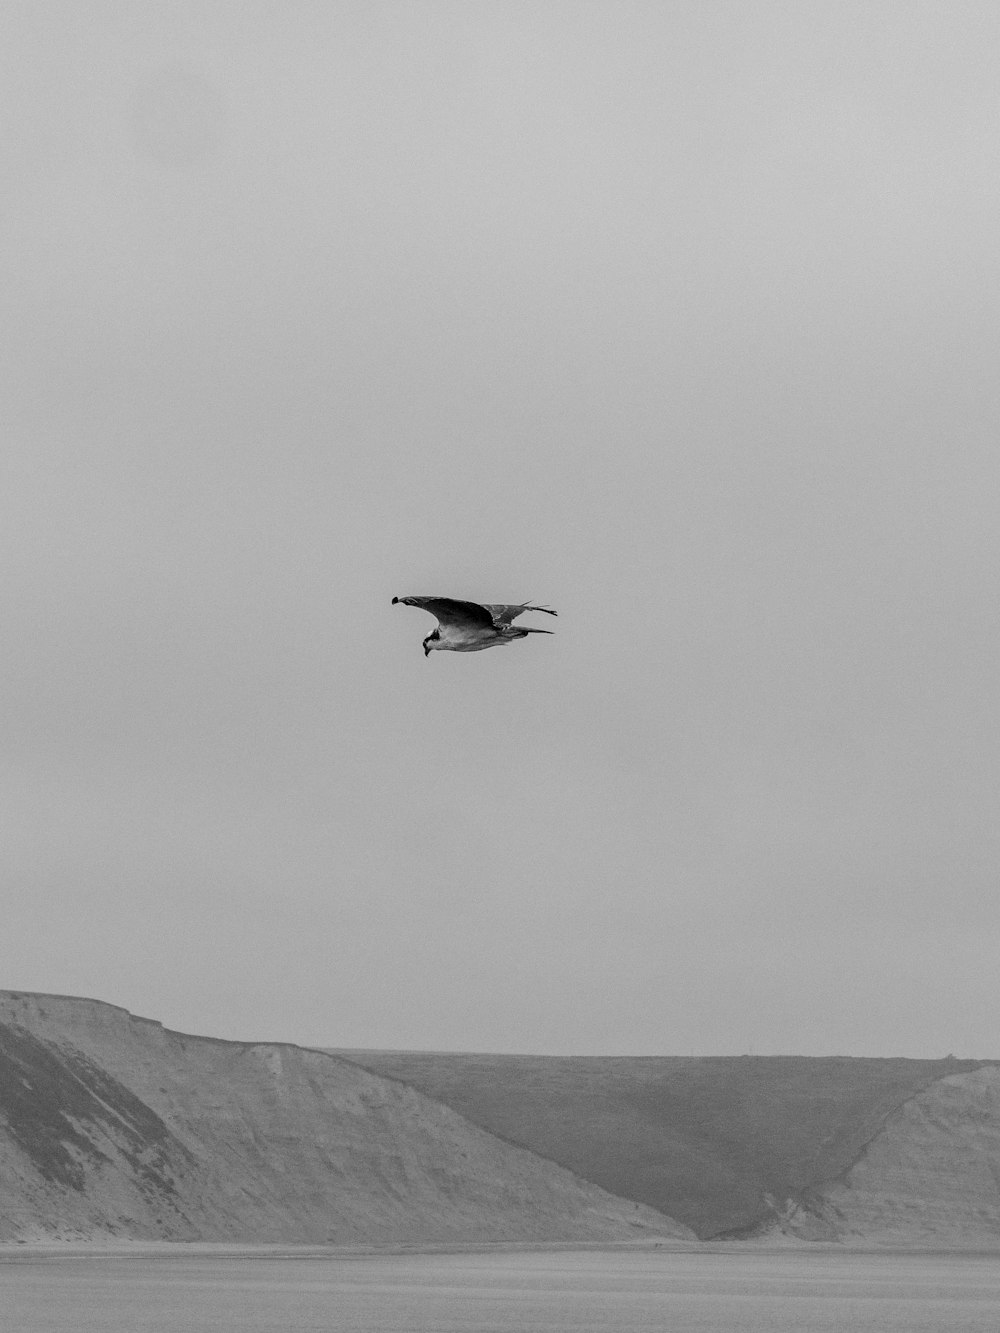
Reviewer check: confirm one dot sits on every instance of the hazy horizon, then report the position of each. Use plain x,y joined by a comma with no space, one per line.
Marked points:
680,318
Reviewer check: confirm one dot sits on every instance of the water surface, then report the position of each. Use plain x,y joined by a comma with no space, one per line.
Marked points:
704,1290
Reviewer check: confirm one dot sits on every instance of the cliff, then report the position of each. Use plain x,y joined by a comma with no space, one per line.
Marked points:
929,1177
114,1126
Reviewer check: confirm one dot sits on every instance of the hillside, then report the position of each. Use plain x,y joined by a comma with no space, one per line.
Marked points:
729,1145
113,1126
931,1174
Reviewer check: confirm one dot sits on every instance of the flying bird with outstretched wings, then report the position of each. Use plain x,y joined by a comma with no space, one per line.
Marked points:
469,627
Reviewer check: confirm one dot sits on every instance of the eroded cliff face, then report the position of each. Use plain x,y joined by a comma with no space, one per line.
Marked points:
930,1177
113,1126
82,1153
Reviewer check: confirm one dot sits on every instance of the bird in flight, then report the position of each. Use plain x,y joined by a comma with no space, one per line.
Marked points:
469,627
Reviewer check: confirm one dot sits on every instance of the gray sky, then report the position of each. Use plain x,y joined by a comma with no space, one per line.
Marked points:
680,317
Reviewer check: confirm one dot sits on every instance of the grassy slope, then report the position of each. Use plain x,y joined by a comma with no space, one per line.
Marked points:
702,1139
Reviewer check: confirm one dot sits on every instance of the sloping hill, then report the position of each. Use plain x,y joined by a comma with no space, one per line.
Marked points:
720,1143
930,1176
112,1125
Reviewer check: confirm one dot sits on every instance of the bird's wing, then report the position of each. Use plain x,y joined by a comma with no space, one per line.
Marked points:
504,613
462,615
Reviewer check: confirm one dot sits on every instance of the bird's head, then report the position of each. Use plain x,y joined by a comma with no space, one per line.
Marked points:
431,642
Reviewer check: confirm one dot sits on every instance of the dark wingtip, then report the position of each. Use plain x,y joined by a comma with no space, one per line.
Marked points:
395,600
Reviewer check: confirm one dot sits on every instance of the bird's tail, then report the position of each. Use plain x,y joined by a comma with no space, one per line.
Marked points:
524,629
528,606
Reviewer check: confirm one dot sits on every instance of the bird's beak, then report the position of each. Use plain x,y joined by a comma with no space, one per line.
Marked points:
427,651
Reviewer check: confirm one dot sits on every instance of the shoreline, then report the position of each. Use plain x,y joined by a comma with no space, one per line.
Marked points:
145,1249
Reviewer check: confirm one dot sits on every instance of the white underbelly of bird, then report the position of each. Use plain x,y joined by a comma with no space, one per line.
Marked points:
475,640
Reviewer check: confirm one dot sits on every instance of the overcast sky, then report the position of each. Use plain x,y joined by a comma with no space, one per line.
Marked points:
680,317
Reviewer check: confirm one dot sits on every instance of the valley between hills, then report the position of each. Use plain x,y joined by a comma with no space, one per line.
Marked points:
113,1128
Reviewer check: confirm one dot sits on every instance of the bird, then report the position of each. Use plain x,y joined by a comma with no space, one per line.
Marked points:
469,627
